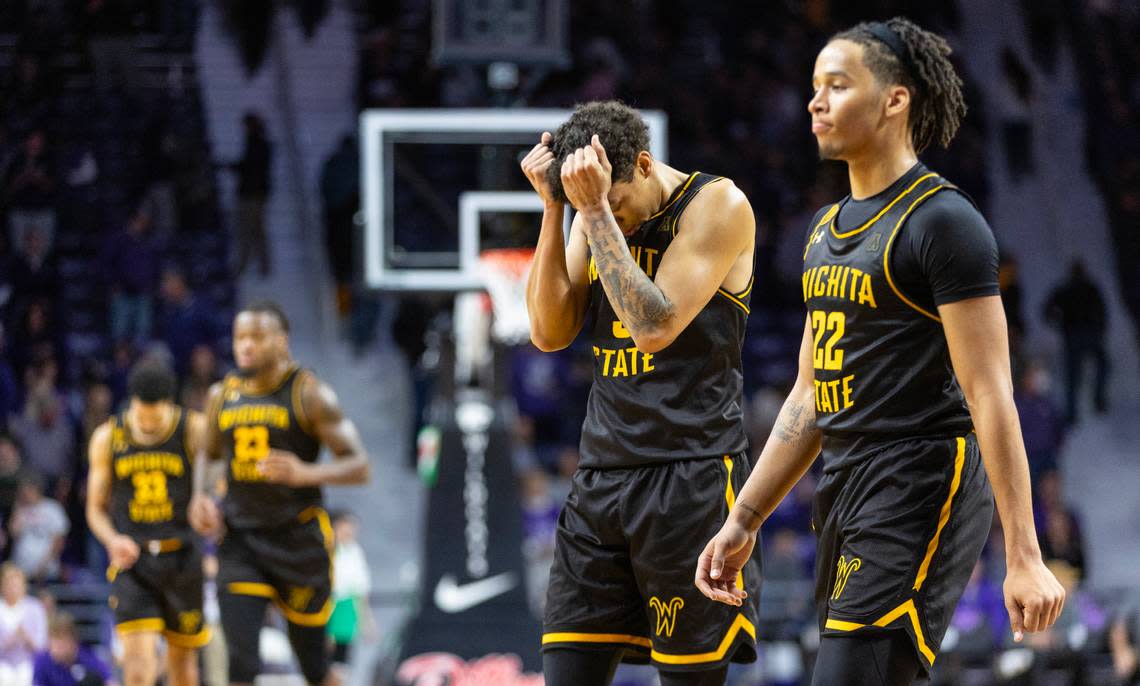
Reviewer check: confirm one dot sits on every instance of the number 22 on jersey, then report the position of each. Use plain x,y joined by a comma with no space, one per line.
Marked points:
827,330
828,357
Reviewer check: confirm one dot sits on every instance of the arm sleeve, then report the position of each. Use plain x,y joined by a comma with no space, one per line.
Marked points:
954,248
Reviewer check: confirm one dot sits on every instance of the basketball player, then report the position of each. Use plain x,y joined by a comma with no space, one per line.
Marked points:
661,262
138,491
267,423
904,380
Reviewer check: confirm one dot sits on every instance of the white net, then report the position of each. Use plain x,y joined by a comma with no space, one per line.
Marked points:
504,272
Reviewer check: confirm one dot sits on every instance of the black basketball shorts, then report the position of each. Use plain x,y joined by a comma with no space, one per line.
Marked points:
625,557
161,592
899,534
290,565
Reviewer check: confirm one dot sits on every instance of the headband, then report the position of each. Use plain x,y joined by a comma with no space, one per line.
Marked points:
887,36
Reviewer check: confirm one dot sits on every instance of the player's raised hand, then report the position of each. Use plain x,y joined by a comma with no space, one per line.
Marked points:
204,515
285,468
1033,597
123,551
721,562
586,176
535,164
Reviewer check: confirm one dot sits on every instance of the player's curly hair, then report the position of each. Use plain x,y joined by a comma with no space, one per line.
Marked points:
937,105
151,382
620,128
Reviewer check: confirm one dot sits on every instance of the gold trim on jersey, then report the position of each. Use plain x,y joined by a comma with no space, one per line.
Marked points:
740,623
318,618
909,609
827,215
180,640
128,435
135,626
244,387
260,590
877,217
943,516
887,253
299,403
734,300
744,293
316,512
675,198
817,231
730,498
673,225
252,588
584,637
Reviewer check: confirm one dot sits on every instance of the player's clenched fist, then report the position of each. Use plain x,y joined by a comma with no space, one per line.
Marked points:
123,552
535,166
204,515
586,176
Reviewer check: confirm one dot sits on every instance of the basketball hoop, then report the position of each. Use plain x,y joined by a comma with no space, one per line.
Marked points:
504,272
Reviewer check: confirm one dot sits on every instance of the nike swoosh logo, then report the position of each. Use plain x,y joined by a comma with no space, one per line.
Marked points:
453,598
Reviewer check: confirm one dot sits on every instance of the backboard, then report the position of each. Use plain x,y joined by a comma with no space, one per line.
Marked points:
439,186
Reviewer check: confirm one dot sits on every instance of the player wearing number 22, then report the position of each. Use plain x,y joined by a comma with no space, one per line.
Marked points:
660,262
139,488
267,423
904,354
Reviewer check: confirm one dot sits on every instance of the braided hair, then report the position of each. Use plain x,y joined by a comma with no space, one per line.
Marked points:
937,104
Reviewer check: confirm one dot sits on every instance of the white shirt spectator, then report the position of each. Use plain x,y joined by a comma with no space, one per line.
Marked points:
36,527
351,578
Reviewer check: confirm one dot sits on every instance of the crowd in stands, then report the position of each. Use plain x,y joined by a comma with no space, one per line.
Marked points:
1108,59
110,251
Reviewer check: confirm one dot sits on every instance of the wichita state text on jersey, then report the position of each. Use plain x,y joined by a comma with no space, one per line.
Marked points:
150,485
252,424
681,402
882,366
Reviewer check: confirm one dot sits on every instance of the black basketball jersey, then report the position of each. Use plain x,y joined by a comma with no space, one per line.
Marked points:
151,485
251,424
682,402
882,365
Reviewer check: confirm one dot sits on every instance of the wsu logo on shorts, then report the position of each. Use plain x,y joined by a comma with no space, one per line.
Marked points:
666,613
843,572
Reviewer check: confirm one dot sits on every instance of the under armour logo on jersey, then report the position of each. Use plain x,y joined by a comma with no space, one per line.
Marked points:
666,613
875,243
843,572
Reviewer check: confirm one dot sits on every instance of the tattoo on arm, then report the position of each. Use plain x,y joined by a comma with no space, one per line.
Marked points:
795,422
640,303
755,515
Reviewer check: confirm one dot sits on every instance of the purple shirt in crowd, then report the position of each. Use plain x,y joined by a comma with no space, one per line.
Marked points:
51,673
